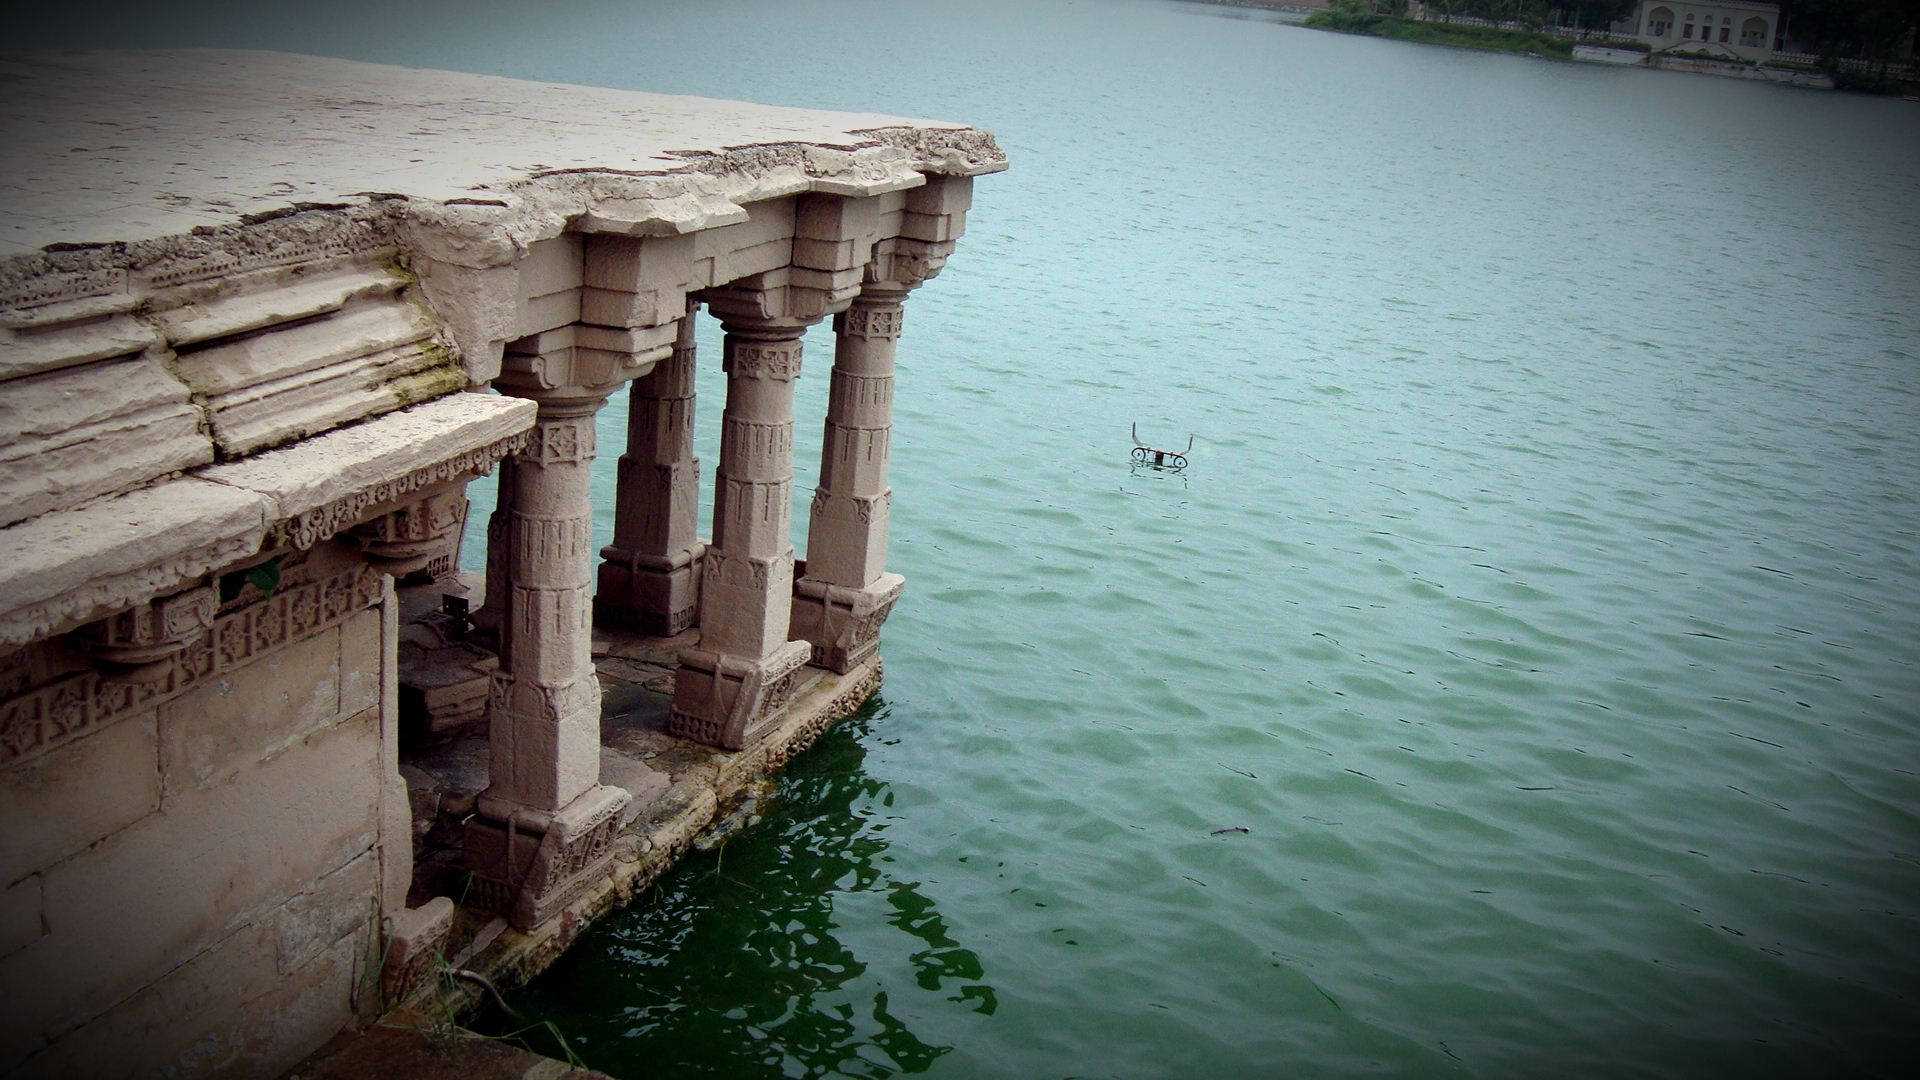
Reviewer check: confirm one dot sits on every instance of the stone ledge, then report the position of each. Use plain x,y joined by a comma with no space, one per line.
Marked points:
68,567
319,486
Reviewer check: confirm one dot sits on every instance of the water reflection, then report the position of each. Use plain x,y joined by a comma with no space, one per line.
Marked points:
780,951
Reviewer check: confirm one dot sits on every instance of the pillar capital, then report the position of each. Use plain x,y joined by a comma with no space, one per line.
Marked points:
421,537
778,303
573,369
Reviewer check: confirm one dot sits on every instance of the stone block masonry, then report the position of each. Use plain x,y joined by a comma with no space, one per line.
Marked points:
247,369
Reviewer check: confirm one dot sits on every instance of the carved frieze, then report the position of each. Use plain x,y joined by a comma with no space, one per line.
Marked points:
294,241
46,716
417,536
308,528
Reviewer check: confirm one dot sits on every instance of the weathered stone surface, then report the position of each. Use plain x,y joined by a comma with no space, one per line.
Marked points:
70,435
267,388
415,947
21,923
635,778
158,1021
56,805
361,661
267,1034
234,723
396,843
322,485
128,909
661,164
226,1013
62,569
242,303
336,905
30,350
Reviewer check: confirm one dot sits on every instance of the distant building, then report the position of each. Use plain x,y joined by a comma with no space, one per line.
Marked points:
1729,27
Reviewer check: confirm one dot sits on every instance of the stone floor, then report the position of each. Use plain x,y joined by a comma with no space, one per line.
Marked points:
682,791
410,1047
445,773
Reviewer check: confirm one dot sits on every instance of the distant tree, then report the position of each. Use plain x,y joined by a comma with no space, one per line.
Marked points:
1595,14
1858,29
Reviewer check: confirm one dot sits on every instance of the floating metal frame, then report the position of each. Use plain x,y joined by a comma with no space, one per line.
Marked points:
1156,458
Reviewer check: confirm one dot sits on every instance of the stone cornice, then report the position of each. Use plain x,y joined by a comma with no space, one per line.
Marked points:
69,567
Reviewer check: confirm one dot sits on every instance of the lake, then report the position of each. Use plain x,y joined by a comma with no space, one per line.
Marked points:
1540,610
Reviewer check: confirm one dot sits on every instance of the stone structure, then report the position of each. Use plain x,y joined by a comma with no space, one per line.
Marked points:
235,447
1733,28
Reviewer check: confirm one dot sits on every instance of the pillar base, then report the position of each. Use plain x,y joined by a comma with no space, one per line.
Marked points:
655,595
529,865
843,624
730,701
416,944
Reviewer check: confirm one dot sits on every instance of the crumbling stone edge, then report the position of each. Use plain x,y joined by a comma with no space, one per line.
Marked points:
648,847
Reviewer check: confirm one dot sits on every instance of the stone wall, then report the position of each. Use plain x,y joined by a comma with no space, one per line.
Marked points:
190,885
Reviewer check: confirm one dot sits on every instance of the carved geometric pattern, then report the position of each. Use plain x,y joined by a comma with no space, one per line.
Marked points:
50,288
431,518
872,321
339,238
306,529
45,717
548,540
506,694
764,360
717,570
850,392
568,440
748,446
865,509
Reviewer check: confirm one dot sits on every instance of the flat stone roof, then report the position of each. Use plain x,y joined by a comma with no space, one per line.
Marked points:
125,146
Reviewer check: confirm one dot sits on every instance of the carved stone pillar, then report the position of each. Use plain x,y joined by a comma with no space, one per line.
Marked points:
846,593
736,684
487,619
649,581
545,824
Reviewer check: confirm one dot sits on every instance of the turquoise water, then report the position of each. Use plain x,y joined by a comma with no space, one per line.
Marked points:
1541,600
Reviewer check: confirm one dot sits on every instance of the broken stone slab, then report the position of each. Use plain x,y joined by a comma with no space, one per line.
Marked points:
62,569
443,687
328,483
76,433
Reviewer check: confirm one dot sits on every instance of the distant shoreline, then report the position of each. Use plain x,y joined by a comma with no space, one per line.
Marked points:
1306,8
